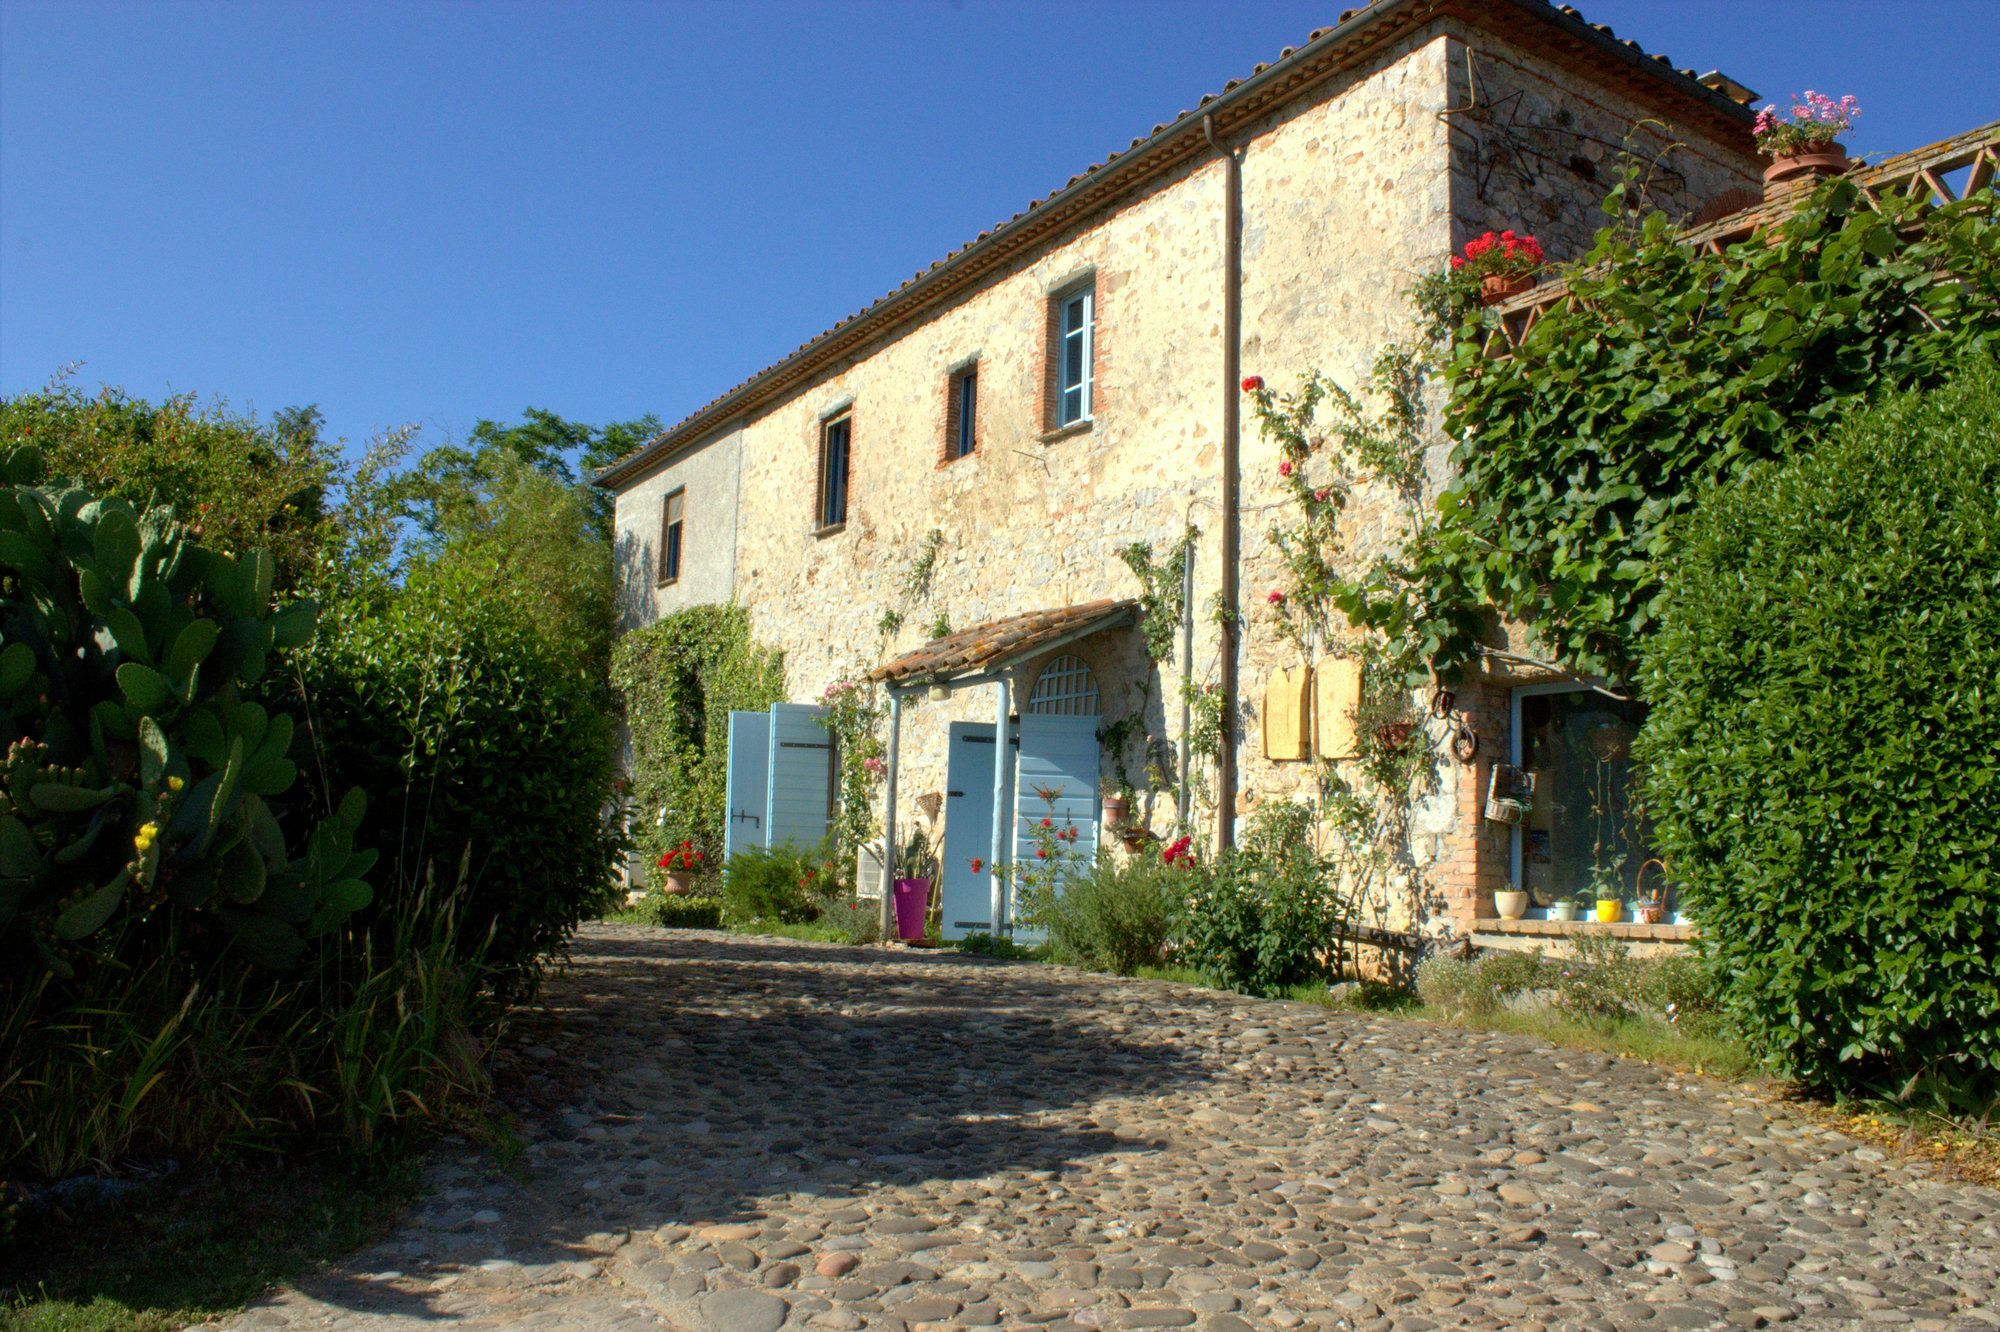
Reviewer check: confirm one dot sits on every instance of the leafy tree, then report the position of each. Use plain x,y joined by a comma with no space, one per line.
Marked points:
237,482
452,478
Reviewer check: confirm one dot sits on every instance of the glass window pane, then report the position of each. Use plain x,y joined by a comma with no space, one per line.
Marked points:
674,551
968,406
1072,406
1585,828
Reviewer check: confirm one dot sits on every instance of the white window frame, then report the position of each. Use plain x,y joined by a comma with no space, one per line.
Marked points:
1085,299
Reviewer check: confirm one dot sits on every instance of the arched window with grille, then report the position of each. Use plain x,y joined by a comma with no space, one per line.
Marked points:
1065,688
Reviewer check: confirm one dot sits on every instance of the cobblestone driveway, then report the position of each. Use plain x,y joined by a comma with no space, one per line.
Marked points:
743,1134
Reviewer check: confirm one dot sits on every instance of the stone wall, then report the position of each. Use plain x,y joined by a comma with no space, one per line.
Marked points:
1344,200
708,476
1537,148
1349,195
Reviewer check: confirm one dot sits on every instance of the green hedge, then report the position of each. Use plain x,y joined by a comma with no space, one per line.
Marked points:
487,752
1821,751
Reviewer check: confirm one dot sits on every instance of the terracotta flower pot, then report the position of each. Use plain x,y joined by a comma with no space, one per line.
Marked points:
1805,163
1497,287
1394,735
1116,810
1511,903
678,881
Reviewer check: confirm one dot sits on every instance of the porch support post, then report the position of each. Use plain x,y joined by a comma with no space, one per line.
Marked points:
1003,817
888,904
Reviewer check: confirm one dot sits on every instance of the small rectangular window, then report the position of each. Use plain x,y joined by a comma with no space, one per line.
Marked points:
834,439
1073,338
671,511
961,435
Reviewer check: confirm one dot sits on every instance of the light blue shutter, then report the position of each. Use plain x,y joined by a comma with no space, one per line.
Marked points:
1059,756
747,783
801,776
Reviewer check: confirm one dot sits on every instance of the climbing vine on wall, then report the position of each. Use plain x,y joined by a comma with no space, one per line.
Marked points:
1671,371
853,717
677,680
1331,443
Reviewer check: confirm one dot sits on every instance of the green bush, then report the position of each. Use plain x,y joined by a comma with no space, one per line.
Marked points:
673,911
1267,916
1114,917
785,883
486,748
1820,752
858,919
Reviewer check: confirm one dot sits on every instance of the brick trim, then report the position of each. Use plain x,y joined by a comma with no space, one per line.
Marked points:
1051,394
948,442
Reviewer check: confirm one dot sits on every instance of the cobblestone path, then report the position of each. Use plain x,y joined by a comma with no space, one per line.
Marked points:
746,1134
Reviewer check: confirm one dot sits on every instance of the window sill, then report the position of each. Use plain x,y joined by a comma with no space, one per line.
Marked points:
833,529
1557,929
948,459
1082,427
665,583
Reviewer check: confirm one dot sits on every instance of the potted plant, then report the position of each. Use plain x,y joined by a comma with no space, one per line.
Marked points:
1512,903
1503,264
1565,908
918,862
1652,905
680,865
1117,805
1805,144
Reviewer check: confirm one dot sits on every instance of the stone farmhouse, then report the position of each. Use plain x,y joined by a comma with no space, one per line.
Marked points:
1067,384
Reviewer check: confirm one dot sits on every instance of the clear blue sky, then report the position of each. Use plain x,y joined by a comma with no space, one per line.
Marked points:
433,212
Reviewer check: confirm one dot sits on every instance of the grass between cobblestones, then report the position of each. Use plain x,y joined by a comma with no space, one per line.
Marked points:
188,1250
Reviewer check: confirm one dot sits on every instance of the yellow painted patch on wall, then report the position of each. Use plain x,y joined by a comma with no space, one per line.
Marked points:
1287,704
1336,703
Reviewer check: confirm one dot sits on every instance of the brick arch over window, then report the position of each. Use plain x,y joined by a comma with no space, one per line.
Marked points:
1064,688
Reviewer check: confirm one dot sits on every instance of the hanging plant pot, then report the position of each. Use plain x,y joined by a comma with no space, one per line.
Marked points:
1117,809
1136,839
1497,287
1805,164
1394,735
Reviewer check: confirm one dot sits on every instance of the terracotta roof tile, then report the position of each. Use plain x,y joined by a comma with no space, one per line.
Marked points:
999,642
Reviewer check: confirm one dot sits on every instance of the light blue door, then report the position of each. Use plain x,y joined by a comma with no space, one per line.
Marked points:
1056,779
800,799
965,898
747,781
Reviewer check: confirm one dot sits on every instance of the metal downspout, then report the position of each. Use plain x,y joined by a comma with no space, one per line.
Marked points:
1232,366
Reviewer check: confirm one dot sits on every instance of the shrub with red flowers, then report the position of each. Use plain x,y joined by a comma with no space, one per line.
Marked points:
1815,121
1499,254
1177,853
682,859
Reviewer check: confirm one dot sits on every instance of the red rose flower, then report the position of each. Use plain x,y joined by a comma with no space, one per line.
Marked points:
1251,383
1285,468
1275,597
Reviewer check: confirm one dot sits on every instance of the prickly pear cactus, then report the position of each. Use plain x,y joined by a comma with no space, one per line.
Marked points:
138,777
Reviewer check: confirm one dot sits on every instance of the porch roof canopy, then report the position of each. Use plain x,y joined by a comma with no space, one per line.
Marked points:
998,644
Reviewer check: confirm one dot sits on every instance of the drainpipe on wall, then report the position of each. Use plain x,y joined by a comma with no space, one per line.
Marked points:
1232,368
